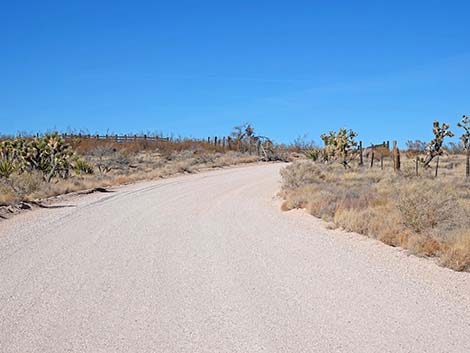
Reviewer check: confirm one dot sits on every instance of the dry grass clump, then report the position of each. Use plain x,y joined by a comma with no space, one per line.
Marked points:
457,252
428,216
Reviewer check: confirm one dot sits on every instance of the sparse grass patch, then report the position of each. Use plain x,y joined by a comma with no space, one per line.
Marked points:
430,217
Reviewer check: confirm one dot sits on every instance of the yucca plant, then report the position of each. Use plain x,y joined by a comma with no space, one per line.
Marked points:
83,167
313,154
7,168
48,154
434,148
465,138
340,145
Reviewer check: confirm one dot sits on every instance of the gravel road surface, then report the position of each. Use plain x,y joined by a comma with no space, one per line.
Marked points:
209,263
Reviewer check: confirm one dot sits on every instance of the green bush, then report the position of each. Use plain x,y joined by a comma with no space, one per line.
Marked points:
313,154
83,167
48,154
7,168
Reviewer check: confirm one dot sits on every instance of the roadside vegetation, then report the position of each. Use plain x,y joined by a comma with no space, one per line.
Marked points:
33,168
417,199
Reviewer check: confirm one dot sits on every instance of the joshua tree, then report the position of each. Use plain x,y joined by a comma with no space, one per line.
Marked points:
48,154
240,132
465,138
340,145
244,136
434,148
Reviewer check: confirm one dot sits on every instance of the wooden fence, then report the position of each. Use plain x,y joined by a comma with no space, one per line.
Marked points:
117,138
225,143
383,150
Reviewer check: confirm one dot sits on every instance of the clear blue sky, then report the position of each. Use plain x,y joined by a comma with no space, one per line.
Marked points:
197,68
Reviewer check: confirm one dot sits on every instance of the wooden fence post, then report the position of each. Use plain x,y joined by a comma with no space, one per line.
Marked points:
361,153
467,162
223,143
382,161
417,166
215,141
372,158
437,166
396,157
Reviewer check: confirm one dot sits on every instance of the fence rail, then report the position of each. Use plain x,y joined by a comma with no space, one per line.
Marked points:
117,138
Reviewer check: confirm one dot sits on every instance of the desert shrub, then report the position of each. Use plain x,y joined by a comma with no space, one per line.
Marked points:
179,156
457,253
205,158
24,184
358,221
299,174
7,168
233,158
107,158
324,205
83,167
302,143
427,205
424,245
299,198
415,147
313,153
121,159
429,217
351,199
102,151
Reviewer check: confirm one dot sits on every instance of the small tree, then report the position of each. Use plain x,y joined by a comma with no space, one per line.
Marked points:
465,138
434,148
246,139
340,145
242,135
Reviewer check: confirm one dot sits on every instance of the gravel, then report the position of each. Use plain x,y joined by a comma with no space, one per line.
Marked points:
209,263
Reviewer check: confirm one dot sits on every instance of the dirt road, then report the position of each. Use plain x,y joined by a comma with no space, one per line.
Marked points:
209,263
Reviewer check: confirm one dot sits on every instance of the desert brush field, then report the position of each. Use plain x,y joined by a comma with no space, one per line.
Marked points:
418,199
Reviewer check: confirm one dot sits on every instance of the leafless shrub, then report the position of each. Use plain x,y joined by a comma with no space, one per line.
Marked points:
427,205
299,174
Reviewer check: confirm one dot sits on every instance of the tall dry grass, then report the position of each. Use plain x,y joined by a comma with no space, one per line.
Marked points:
426,215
